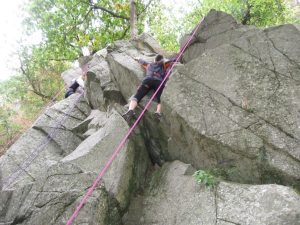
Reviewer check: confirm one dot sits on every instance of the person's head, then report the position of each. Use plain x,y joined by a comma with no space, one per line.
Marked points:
159,58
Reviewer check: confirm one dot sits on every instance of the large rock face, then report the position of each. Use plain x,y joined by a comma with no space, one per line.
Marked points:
46,143
235,104
173,198
59,158
232,107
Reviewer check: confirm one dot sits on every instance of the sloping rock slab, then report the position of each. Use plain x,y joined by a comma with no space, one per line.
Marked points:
128,169
236,107
54,198
217,28
43,145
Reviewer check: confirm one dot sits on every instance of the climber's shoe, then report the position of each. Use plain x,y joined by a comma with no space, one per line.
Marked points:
158,116
129,115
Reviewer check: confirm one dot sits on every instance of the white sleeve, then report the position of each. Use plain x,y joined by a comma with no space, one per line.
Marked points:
80,82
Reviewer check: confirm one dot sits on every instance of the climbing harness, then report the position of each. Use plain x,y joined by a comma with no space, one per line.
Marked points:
123,141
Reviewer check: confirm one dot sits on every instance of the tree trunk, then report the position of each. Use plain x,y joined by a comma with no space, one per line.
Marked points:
247,14
133,20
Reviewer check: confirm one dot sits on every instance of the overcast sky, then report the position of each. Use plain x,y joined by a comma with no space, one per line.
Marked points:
11,32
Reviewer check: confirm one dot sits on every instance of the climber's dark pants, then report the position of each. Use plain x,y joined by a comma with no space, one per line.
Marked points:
146,86
72,89
69,92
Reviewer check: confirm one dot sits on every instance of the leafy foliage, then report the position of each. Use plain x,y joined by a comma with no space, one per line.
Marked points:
20,105
261,13
39,74
7,128
205,178
163,27
8,110
68,26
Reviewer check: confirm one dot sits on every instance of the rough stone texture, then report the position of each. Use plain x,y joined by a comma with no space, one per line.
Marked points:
53,198
173,197
92,123
257,204
146,42
236,106
100,89
93,153
85,142
216,29
126,72
233,107
49,190
48,141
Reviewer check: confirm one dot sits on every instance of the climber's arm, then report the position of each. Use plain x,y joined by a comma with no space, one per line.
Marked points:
143,63
169,63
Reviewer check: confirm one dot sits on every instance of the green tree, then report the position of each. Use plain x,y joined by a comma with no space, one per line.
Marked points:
163,27
261,13
168,28
41,75
168,23
7,128
9,109
20,105
68,26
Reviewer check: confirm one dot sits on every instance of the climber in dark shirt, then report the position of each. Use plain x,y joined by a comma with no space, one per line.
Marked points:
76,84
155,73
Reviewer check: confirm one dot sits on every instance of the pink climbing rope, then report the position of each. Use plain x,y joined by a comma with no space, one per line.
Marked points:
118,149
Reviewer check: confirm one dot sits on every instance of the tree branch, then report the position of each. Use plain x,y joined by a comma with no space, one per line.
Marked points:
247,15
35,89
133,20
125,32
41,94
138,14
108,11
